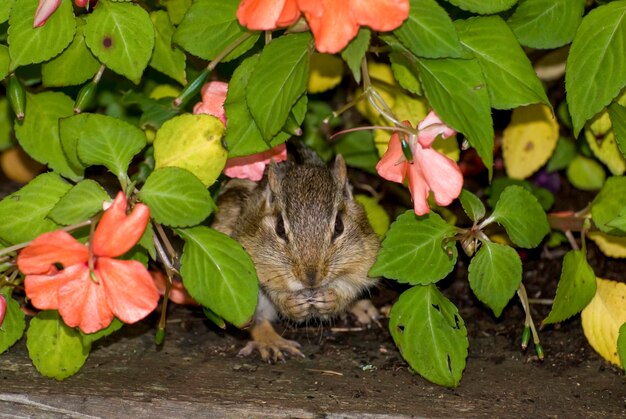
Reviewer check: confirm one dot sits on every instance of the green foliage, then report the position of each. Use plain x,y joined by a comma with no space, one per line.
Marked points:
115,325
586,173
429,32
121,36
166,58
618,121
219,274
29,45
546,23
84,200
511,80
376,215
5,9
596,71
621,345
472,205
354,53
24,213
544,196
358,150
57,350
430,334
13,325
522,217
415,250
609,203
5,60
576,288
495,273
176,197
484,7
278,81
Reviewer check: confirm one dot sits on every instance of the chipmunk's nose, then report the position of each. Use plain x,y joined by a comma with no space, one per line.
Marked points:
311,276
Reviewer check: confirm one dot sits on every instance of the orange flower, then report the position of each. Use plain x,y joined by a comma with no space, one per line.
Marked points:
213,97
89,300
429,171
333,23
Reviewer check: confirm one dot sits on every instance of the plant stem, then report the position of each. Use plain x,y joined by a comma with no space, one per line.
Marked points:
523,296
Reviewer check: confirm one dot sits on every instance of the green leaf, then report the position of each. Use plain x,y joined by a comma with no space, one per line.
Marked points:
430,334
544,196
24,211
176,197
358,150
219,274
6,125
416,251
617,114
522,217
620,221
585,173
167,58
405,72
546,23
484,6
609,203
90,338
38,134
79,203
73,66
5,61
596,64
621,345
147,241
57,351
278,81
242,134
456,89
5,10
576,288
176,9
495,273
563,155
511,80
121,35
429,32
106,141
207,37
376,214
29,45
192,142
472,205
355,51
13,326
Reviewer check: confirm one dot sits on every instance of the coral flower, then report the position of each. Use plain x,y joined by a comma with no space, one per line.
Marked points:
333,23
248,167
429,171
89,299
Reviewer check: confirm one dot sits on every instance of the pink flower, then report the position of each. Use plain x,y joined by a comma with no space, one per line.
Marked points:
429,171
3,309
213,97
90,298
252,167
44,11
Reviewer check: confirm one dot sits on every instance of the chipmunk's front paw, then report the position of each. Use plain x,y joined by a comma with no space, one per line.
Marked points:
365,313
270,345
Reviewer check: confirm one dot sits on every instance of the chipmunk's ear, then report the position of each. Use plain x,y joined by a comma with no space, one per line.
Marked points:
274,186
341,175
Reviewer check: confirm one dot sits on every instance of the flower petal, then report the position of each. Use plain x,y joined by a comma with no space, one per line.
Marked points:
252,167
50,248
443,175
43,290
129,288
213,97
117,232
82,302
380,15
418,187
262,15
178,293
431,127
331,22
44,11
392,166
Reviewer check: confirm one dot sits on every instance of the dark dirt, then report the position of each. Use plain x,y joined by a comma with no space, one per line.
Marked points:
345,374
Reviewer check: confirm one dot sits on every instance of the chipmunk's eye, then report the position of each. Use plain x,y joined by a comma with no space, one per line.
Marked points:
338,227
280,228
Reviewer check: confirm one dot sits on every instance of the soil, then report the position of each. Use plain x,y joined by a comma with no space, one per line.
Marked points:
346,373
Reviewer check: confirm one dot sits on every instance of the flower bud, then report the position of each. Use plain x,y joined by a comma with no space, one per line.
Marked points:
17,96
192,88
85,97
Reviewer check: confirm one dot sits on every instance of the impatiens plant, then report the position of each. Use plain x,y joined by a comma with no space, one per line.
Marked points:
164,100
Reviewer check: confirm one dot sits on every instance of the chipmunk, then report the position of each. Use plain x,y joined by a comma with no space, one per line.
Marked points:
311,243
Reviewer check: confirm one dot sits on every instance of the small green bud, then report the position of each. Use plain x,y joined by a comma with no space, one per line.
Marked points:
539,350
525,337
86,96
159,338
17,96
292,127
192,88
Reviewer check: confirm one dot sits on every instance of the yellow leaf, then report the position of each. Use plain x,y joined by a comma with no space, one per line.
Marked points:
601,140
192,142
164,90
611,246
19,166
326,72
603,316
529,140
376,215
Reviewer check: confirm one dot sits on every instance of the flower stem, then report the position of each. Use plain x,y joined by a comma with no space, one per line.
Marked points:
523,296
161,240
